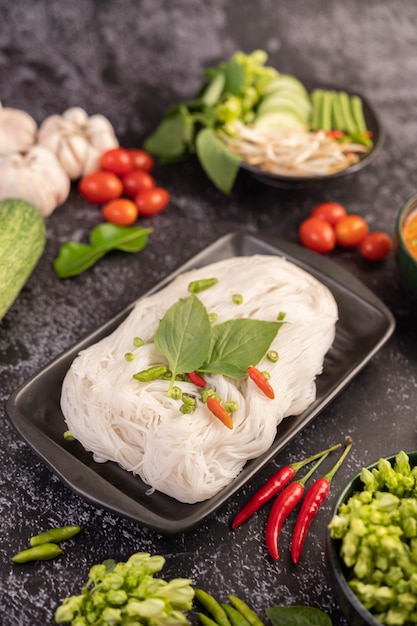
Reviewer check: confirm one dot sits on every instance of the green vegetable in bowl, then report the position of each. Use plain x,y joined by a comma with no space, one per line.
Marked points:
128,593
378,531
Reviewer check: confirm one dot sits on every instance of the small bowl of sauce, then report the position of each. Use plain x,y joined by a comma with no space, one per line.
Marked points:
405,246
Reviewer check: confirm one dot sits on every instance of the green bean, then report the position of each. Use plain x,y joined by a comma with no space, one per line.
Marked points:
201,285
235,617
246,611
213,607
152,373
55,535
43,552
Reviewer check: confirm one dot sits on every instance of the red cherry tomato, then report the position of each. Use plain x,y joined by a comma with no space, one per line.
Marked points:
331,212
121,211
350,231
141,159
100,187
116,160
376,246
151,201
316,234
136,181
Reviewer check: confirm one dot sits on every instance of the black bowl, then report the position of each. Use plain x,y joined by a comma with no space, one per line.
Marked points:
352,608
291,182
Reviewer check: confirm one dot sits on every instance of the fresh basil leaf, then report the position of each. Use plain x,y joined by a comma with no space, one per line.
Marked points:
297,616
74,258
183,336
126,238
174,135
212,92
236,344
220,165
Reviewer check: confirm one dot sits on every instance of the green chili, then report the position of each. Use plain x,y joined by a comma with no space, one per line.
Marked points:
266,374
186,409
281,316
213,607
55,535
231,406
206,621
201,285
246,611
237,298
129,356
138,342
42,552
152,373
272,356
69,436
235,617
212,317
190,400
206,393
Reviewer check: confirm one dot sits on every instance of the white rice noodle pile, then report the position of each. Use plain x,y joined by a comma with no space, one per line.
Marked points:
192,457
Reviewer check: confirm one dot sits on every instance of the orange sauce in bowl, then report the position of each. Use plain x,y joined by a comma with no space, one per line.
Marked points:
410,233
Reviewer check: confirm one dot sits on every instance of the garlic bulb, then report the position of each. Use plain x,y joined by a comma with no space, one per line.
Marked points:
78,140
35,176
17,130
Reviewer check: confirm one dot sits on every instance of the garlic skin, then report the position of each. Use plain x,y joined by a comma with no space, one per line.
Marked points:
78,140
17,130
35,176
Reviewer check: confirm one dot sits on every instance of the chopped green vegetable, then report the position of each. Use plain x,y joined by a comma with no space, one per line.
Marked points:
128,593
378,531
74,258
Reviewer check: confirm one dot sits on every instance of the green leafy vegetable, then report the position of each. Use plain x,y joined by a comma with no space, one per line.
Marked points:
128,593
190,343
236,344
183,336
297,616
229,93
74,258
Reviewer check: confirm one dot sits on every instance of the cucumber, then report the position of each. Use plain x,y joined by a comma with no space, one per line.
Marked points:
22,241
282,118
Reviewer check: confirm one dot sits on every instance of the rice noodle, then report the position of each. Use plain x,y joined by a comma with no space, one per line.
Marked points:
293,151
192,457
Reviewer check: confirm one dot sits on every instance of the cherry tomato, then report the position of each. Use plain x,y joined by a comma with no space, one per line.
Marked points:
121,211
136,181
116,160
100,187
331,212
376,246
316,234
141,159
350,231
151,201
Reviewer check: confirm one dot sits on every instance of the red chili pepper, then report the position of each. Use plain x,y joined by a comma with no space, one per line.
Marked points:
196,379
273,485
219,411
284,504
315,497
260,381
335,134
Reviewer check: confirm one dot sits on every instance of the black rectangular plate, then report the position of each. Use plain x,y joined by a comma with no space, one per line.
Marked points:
364,325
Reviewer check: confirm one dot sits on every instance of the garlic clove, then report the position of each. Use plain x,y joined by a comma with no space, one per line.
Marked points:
76,116
17,130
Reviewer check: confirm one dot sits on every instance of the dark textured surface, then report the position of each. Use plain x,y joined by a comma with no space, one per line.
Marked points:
130,61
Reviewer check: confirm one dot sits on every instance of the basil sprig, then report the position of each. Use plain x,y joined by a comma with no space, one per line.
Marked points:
190,343
74,257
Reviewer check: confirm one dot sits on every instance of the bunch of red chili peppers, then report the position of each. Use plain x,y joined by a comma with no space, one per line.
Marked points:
289,497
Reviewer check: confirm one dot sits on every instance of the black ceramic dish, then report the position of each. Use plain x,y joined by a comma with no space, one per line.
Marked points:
373,125
355,612
364,326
